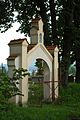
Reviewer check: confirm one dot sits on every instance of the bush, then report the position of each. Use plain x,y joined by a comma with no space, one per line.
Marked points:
71,94
8,86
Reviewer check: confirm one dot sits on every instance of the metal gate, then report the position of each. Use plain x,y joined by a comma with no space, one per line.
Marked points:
35,94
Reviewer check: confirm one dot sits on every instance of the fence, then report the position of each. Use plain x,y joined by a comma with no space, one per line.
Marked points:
36,96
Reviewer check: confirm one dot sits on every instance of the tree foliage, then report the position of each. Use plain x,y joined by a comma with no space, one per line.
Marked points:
6,15
39,65
9,86
29,9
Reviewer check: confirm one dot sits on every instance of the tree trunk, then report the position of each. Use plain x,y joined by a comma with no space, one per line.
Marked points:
78,66
53,21
67,45
77,57
67,40
64,69
45,21
77,39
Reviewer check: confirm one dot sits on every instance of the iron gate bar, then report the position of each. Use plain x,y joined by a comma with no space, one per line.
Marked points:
52,90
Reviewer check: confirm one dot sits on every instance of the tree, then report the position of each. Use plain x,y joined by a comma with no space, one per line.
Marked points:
6,15
67,38
61,31
27,10
77,38
53,21
39,65
72,43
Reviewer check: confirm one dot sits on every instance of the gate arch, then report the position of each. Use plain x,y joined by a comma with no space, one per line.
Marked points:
21,56
40,52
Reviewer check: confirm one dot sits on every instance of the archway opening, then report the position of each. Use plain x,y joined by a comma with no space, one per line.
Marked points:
39,86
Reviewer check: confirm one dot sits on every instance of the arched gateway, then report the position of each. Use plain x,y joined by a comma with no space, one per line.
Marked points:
22,54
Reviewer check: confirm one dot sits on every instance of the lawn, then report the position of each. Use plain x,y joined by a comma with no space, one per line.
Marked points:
66,107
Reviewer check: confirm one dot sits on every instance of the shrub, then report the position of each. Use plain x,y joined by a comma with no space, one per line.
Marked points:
8,86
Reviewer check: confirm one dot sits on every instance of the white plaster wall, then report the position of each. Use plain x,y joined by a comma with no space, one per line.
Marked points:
46,84
24,57
37,53
17,64
40,31
56,72
11,62
15,49
34,35
40,25
24,82
33,31
10,71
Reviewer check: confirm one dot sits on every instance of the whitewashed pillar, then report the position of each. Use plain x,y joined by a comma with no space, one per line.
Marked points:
16,60
55,73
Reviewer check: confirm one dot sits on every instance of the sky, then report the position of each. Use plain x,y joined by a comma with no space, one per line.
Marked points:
5,38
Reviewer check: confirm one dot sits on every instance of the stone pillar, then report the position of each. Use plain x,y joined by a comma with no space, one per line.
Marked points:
47,83
13,63
11,67
55,87
16,60
24,82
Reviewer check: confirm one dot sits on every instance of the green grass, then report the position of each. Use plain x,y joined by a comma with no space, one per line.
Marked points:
68,105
